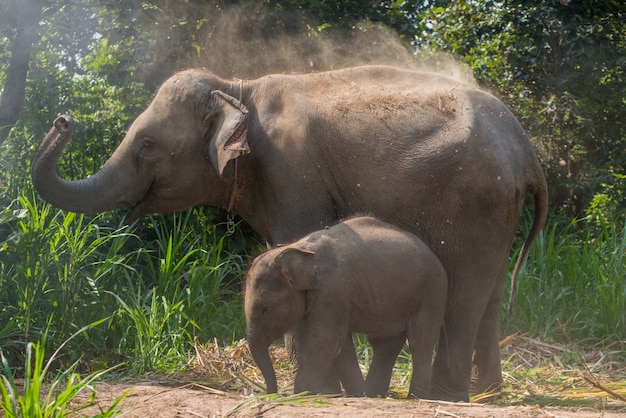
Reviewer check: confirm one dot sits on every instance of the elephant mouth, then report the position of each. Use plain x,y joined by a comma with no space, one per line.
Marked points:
156,200
141,206
144,206
135,214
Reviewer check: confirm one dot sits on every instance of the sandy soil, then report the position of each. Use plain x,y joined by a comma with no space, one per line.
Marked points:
223,382
147,400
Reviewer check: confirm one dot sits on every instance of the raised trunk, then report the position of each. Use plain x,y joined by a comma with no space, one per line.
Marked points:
101,192
260,353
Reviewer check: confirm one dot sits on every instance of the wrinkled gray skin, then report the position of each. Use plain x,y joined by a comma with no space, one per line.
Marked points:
418,150
361,275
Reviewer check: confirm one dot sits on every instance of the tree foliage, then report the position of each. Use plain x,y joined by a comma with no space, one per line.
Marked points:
560,66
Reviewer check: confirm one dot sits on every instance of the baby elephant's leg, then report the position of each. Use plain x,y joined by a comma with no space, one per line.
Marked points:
316,347
331,385
347,367
422,335
386,350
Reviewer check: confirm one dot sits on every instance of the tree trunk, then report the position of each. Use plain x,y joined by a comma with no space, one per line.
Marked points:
28,14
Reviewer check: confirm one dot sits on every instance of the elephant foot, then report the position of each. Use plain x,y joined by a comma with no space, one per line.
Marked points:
448,396
331,387
488,383
485,388
441,392
418,394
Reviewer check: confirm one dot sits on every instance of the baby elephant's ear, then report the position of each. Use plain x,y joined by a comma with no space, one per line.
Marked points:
296,267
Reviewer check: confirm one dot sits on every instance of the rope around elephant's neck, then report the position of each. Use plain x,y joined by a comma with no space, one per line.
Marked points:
233,190
230,218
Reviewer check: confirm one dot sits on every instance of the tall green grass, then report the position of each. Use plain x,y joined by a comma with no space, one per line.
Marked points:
576,275
182,294
169,279
160,283
52,265
191,264
44,392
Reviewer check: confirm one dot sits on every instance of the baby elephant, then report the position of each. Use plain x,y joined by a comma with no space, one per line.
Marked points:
361,275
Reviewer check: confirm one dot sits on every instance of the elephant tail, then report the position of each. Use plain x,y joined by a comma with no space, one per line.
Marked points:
540,195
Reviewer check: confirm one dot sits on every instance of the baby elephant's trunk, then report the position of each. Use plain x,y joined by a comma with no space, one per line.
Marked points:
260,353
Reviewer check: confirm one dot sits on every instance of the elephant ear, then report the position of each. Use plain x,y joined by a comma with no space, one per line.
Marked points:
296,267
229,140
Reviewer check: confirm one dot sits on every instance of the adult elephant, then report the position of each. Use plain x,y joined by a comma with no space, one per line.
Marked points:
294,153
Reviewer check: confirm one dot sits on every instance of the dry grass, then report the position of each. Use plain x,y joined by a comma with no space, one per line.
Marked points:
535,373
554,374
233,367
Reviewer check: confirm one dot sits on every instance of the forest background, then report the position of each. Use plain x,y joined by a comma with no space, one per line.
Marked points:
142,295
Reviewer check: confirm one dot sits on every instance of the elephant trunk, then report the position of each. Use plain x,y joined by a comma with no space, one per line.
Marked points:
260,353
98,193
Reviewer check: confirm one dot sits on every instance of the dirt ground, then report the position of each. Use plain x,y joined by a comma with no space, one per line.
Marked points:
223,382
149,400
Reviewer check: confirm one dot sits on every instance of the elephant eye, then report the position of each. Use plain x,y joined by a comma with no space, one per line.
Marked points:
148,146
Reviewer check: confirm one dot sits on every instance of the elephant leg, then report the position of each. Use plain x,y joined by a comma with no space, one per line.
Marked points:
315,347
347,368
487,370
422,335
331,384
386,350
466,303
312,378
453,362
475,280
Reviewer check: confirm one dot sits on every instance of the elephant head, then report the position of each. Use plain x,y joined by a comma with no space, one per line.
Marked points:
275,301
172,157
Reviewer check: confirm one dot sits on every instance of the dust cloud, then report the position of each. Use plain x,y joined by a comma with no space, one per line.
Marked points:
247,41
